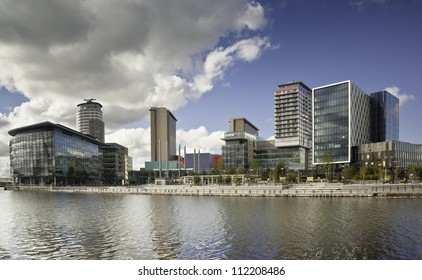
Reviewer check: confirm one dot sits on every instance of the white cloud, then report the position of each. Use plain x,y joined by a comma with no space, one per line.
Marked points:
403,97
137,140
200,138
128,54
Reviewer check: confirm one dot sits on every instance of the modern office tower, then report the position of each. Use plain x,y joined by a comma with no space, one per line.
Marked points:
163,131
341,120
89,119
238,149
293,115
293,126
384,117
52,154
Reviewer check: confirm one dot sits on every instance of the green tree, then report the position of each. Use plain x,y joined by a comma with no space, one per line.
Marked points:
292,176
327,167
348,173
240,170
218,167
196,180
413,172
256,167
265,174
280,171
229,170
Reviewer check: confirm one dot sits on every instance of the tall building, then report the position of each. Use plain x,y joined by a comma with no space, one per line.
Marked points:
89,119
293,126
238,149
52,154
341,121
163,130
384,117
293,115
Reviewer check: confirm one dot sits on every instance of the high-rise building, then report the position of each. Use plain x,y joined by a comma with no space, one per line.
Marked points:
293,126
293,115
341,120
89,119
163,131
384,117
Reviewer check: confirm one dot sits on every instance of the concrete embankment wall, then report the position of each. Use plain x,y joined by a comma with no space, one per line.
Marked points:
264,190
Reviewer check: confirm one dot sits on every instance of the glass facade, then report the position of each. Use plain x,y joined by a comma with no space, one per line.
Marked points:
238,149
331,122
390,154
269,155
341,122
48,154
114,158
384,117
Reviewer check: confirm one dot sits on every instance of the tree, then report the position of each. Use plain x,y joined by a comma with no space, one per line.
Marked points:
229,170
218,167
413,172
256,167
348,173
240,170
196,180
265,174
291,177
327,167
280,170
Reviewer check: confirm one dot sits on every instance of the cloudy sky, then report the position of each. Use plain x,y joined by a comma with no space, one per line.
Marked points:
207,61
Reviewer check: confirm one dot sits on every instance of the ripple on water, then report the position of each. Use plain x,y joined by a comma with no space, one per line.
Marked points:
64,226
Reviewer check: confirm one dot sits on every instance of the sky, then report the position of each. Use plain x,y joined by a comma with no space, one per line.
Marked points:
207,61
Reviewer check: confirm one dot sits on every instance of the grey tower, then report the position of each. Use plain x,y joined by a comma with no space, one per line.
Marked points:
163,131
89,119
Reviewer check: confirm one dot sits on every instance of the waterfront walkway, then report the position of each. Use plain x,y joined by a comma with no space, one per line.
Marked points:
270,190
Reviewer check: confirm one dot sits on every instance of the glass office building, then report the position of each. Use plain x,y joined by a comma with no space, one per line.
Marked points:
341,121
52,154
384,117
390,154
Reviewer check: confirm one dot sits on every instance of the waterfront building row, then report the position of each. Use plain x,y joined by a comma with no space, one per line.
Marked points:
52,154
327,124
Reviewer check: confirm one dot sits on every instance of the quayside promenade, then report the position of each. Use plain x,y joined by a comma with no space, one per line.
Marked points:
305,190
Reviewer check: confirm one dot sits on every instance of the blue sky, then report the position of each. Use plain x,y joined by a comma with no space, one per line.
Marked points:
207,61
376,45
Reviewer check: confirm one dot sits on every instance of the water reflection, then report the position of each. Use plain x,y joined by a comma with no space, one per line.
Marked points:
83,226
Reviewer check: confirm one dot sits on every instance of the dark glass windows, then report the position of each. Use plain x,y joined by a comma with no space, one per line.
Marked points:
331,123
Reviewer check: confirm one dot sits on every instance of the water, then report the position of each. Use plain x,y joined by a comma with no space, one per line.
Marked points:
38,225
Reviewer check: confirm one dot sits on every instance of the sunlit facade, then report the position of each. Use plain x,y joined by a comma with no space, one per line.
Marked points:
52,154
390,154
238,150
341,121
163,134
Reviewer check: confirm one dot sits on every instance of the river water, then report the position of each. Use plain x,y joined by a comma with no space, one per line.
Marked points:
43,225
